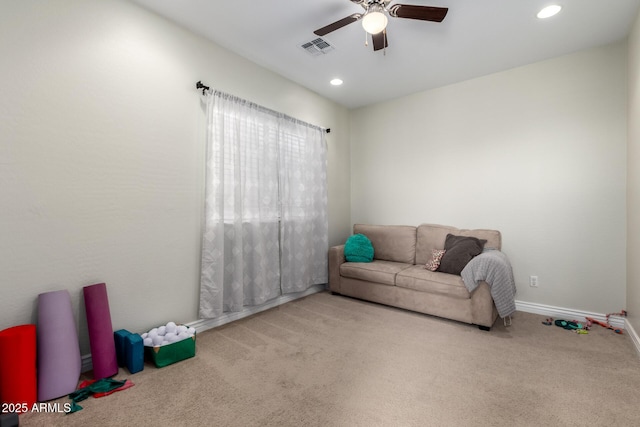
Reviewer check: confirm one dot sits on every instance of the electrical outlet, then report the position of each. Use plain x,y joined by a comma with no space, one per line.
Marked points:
533,281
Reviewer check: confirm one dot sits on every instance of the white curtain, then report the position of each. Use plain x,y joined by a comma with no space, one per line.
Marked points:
303,192
265,206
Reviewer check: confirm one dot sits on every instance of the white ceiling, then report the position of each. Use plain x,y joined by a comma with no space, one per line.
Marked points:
478,37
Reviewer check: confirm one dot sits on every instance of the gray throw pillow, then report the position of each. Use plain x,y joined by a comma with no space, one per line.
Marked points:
459,250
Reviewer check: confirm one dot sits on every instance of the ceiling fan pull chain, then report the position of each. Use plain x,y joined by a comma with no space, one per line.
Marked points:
384,49
366,38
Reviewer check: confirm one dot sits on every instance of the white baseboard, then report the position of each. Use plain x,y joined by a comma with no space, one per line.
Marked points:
634,336
202,325
568,313
87,364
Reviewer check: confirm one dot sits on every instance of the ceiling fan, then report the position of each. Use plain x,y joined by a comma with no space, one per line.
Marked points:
374,19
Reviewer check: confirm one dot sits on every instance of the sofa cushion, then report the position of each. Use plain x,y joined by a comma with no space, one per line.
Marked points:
459,250
433,236
358,248
378,271
420,279
391,242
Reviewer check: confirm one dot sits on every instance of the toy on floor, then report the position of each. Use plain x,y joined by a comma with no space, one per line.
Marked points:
96,388
584,328
606,324
569,324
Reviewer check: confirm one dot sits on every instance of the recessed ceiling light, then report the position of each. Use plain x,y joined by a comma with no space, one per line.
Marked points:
549,11
336,82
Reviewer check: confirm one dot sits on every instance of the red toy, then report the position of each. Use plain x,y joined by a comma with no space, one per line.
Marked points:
607,325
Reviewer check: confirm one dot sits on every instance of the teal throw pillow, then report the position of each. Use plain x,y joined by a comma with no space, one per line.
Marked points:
358,249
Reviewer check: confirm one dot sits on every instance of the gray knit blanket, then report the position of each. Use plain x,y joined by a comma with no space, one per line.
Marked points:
493,267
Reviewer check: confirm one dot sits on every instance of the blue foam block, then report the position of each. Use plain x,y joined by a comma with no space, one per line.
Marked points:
119,338
134,353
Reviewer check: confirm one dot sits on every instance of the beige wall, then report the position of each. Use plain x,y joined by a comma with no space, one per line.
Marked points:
102,158
538,152
633,180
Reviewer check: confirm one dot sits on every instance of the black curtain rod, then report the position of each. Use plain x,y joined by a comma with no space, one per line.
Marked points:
205,88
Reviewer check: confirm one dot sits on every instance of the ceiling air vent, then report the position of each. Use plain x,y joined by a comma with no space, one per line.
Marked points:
317,47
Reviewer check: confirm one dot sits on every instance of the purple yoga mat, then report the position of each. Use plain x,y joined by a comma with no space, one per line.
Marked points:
59,361
103,347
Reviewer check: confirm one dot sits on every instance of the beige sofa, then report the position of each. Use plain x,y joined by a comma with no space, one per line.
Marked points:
397,276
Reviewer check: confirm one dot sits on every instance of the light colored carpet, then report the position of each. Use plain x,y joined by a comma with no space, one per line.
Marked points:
327,360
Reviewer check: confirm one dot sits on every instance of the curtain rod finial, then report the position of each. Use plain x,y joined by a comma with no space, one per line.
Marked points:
199,85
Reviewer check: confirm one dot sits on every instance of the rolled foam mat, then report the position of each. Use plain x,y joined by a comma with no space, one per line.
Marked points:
103,348
18,383
59,360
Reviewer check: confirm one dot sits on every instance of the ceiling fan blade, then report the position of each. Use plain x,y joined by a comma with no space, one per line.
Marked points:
380,40
424,13
338,24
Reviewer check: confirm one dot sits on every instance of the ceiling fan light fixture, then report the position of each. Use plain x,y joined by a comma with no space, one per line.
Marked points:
549,11
374,20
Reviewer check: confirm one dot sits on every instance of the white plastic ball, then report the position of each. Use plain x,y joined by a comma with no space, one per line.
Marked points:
162,330
171,327
157,340
148,342
191,331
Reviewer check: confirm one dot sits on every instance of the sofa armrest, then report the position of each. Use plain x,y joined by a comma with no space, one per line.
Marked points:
336,258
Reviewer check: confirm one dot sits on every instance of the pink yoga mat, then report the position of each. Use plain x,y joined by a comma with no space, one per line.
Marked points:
59,360
103,348
18,368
